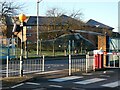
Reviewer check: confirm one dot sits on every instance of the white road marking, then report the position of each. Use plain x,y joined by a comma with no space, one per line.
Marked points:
88,81
56,86
17,85
65,78
32,83
87,74
112,85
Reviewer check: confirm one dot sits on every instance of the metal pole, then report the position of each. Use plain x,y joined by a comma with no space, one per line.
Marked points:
72,47
8,47
87,62
26,53
21,67
40,46
69,47
43,63
17,48
7,66
25,42
21,57
38,1
37,27
69,64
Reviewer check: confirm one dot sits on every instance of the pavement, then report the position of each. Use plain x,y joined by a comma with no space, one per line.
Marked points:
107,79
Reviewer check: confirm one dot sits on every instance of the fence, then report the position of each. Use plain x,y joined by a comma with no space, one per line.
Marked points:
77,65
89,63
29,66
37,65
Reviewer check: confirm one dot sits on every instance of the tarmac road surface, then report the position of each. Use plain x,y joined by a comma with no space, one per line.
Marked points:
99,80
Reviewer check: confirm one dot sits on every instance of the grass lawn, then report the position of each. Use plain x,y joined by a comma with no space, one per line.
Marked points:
33,53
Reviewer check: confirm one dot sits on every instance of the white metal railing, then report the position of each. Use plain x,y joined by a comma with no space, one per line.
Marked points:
29,66
77,65
89,63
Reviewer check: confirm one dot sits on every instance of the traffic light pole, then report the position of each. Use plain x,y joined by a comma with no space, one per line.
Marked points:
21,57
22,18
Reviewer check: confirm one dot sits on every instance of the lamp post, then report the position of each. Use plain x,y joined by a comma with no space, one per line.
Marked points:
22,18
38,1
40,46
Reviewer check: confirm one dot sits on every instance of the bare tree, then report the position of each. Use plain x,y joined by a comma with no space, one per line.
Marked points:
61,20
55,14
76,14
75,22
7,9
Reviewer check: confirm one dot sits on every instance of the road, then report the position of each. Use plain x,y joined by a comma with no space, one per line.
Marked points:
99,80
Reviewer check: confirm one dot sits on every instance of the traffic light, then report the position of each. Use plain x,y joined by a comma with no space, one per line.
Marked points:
16,29
20,31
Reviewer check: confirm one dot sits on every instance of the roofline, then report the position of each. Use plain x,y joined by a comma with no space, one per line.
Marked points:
102,24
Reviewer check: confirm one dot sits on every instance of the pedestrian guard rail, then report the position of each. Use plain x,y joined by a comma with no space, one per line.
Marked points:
94,62
29,66
81,65
85,64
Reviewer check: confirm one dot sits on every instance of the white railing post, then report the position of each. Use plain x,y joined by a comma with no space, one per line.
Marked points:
7,67
87,63
21,67
69,64
43,64
69,47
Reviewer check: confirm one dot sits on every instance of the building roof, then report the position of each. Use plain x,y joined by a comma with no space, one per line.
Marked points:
92,22
44,20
